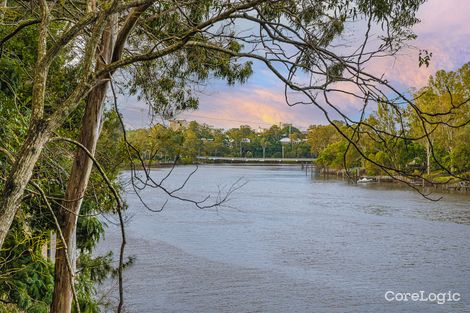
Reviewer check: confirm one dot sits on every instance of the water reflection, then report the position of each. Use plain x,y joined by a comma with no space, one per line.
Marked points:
454,207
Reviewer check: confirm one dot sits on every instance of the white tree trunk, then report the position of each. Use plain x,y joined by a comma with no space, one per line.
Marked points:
78,183
20,175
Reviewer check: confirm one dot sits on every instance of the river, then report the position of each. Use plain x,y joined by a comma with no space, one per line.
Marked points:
289,242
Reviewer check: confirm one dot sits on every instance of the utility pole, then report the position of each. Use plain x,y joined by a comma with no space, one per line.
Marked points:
291,143
142,118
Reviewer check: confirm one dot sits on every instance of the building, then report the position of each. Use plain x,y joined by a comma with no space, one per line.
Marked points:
260,130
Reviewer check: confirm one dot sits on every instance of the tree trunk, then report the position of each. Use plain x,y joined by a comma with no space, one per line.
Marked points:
20,175
428,158
81,168
78,182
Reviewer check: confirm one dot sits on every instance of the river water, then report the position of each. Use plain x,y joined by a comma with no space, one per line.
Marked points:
289,242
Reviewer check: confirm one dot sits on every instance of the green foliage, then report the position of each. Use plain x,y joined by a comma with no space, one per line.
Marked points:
444,103
165,144
337,155
169,84
26,278
405,142
320,136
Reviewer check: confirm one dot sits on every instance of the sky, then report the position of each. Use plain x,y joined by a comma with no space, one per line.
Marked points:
444,30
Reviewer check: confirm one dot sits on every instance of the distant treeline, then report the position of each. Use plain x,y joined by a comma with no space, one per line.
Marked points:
163,143
432,144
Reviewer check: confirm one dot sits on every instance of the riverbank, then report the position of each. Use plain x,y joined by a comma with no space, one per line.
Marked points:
433,180
225,160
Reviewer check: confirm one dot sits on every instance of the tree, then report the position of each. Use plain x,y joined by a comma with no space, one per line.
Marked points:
241,138
163,46
217,144
443,125
192,142
27,277
422,139
272,141
320,136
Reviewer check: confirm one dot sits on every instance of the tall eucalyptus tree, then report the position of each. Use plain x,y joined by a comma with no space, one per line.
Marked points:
161,50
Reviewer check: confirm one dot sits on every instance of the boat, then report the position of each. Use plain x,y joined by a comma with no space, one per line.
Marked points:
365,180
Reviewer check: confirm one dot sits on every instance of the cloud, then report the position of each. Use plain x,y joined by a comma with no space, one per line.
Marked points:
262,107
444,30
255,106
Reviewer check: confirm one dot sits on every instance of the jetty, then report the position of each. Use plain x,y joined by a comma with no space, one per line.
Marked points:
253,160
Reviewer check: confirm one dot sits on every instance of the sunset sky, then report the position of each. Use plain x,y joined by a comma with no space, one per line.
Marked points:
444,30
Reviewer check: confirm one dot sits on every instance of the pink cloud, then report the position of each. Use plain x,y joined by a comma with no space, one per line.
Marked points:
257,107
444,31
263,107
